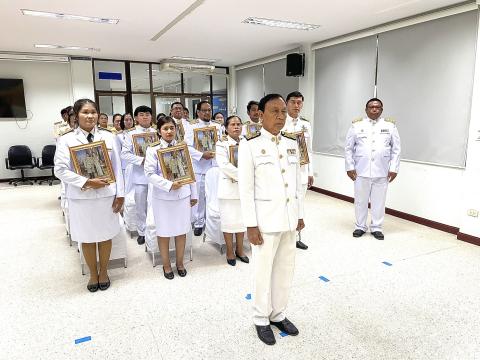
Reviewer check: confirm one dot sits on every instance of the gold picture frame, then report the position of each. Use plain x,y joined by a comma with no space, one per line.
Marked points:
176,164
233,154
302,147
142,141
92,161
252,128
180,133
205,138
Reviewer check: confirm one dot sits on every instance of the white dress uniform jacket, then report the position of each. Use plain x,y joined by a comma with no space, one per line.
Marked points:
269,181
228,179
295,125
372,148
162,186
74,182
128,155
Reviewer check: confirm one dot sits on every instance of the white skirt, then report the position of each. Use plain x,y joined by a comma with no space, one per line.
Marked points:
172,217
93,220
231,220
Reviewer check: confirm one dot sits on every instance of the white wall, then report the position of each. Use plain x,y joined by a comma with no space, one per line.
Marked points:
433,192
48,89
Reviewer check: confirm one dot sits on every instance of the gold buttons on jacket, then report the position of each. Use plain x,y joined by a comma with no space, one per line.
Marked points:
263,151
286,185
281,156
283,170
288,199
273,139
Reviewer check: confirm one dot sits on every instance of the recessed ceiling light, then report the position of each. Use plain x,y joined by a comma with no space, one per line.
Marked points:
187,58
48,46
69,16
280,23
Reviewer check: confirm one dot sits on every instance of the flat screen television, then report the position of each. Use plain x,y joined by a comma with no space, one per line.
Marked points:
12,99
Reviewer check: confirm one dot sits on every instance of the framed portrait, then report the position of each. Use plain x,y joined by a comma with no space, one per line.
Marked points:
253,128
180,134
176,164
233,154
142,141
205,138
302,147
92,161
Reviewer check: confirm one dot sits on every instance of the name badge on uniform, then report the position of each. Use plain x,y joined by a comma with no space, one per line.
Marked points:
384,131
291,151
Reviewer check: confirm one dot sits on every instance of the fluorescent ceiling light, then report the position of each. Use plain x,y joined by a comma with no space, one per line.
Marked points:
69,16
186,58
48,46
33,57
280,23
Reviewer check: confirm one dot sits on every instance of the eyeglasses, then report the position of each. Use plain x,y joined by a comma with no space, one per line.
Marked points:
206,110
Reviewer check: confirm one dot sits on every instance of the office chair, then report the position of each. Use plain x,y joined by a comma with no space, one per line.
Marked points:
20,157
48,154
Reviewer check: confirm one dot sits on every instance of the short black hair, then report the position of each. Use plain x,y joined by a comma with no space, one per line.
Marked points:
295,94
103,114
176,103
142,108
186,109
250,104
372,100
160,115
266,99
165,120
218,112
230,118
199,105
65,110
115,115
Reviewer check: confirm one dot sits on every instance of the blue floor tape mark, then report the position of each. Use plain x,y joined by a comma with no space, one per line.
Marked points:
386,263
323,278
283,334
248,297
81,340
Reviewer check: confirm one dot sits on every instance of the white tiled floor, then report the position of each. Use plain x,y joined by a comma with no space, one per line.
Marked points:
425,306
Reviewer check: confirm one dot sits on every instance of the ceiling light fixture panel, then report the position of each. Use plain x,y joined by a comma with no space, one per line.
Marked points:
69,16
48,46
186,58
280,23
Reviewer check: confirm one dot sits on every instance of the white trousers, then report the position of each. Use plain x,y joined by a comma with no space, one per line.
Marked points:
273,262
199,210
141,192
375,190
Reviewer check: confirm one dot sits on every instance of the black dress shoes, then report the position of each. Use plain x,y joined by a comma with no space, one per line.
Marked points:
301,245
378,235
358,233
92,287
243,259
231,262
182,272
265,334
169,275
104,286
286,326
197,231
141,240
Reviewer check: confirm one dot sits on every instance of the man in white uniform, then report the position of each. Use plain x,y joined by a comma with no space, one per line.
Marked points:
372,160
176,111
271,197
143,117
295,123
202,161
254,117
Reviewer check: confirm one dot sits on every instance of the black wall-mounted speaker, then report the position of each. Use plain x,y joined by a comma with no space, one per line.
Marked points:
295,64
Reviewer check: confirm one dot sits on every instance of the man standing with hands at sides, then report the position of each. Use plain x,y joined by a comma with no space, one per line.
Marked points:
295,123
176,111
143,117
372,160
202,161
270,189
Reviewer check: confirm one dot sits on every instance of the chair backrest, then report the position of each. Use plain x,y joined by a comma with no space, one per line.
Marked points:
48,154
19,155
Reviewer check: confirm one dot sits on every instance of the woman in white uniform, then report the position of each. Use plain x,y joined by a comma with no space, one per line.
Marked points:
228,197
171,201
93,203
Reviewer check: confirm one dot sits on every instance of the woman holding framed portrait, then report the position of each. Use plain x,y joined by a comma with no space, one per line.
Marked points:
228,196
168,167
87,160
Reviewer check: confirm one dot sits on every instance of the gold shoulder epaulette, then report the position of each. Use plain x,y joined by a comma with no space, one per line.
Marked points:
302,118
390,120
154,126
224,137
357,120
181,142
288,135
252,136
154,143
66,132
131,129
100,128
193,121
